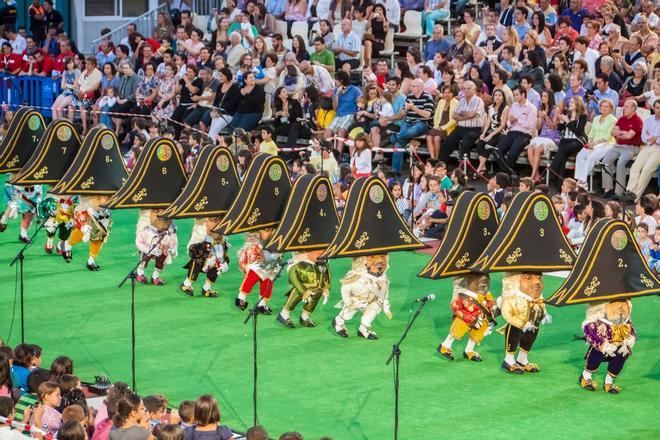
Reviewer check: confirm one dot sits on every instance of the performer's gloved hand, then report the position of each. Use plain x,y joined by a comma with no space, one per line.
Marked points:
547,319
69,224
361,304
528,327
609,349
224,267
478,322
50,225
325,298
12,209
156,252
624,350
386,309
86,230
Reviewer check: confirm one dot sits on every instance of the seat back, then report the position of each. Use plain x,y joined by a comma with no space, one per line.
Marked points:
413,22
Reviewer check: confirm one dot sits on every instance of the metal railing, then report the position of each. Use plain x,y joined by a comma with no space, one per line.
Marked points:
145,24
38,92
205,7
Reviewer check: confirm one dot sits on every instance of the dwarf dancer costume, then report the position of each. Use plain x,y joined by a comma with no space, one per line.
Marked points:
95,173
259,266
92,225
611,336
21,201
609,272
310,281
528,242
61,224
308,226
19,143
158,242
52,157
212,186
154,183
210,256
370,229
258,207
472,223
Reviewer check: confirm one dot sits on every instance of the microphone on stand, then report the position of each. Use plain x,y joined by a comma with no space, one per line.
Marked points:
430,297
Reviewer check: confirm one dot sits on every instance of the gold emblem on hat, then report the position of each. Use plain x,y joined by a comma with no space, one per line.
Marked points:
139,195
514,256
87,183
591,288
362,241
41,173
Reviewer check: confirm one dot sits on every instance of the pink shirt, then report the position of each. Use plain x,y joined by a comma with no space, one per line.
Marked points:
526,115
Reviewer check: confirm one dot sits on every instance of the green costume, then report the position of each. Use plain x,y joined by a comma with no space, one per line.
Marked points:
309,281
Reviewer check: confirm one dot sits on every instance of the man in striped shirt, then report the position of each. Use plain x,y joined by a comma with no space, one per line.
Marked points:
469,115
419,111
347,46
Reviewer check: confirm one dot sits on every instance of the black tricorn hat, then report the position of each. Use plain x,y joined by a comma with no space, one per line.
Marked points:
472,223
260,202
371,224
156,180
54,153
24,133
97,169
609,266
528,239
211,188
310,218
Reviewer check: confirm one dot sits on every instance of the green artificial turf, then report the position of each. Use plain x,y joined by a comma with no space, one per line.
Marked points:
310,379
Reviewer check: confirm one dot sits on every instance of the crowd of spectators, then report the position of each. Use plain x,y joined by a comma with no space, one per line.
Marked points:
54,404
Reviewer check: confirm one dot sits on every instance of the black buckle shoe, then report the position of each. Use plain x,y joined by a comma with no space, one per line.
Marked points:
188,290
240,304
93,267
370,335
264,310
68,256
307,323
286,322
209,293
341,332
25,240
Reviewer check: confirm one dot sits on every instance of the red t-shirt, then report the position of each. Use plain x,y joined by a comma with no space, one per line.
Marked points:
47,65
626,124
11,62
59,61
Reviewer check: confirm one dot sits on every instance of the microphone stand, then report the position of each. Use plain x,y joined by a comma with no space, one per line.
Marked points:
396,355
20,258
503,164
254,312
626,194
132,275
412,183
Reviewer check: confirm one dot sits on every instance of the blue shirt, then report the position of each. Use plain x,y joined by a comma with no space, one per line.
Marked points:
416,5
102,58
19,376
608,94
576,18
534,97
347,101
276,7
522,29
435,46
